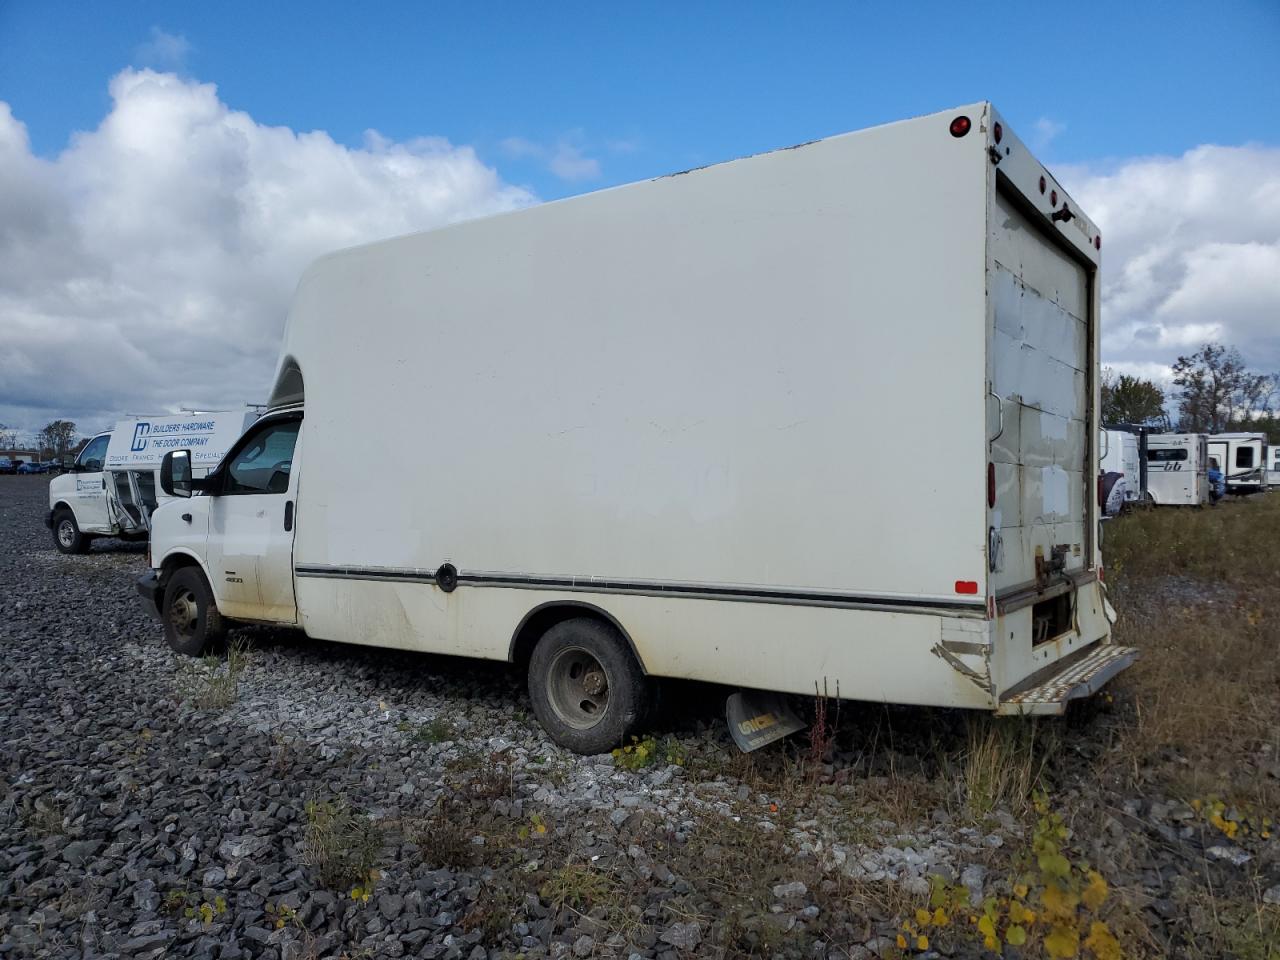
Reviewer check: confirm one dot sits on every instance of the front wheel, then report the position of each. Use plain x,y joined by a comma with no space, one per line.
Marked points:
192,623
588,691
66,533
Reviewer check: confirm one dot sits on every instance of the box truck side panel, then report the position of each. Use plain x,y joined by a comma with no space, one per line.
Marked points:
672,381
861,654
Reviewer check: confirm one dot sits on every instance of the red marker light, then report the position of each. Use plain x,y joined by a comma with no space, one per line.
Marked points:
960,126
1097,242
1042,184
966,586
1053,198
991,486
998,132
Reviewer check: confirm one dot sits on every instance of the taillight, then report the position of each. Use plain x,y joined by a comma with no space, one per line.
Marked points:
960,126
991,486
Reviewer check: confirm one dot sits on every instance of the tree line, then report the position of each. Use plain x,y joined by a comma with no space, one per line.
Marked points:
1216,393
56,440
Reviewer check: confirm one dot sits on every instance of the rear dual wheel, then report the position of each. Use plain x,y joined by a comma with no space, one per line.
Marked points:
588,691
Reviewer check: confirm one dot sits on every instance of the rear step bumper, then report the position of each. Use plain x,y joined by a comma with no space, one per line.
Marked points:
1082,677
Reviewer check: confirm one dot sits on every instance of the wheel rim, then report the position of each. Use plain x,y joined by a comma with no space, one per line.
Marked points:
577,688
184,612
66,533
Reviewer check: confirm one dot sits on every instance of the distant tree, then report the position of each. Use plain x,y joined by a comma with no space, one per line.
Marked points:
1127,399
57,438
1218,390
8,437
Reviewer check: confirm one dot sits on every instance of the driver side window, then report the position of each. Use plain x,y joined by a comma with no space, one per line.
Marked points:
262,465
95,451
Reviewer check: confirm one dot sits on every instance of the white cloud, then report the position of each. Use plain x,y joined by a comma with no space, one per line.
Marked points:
1045,132
150,265
164,50
1190,251
570,163
565,158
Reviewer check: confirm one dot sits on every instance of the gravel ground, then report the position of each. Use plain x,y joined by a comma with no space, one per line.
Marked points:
140,816
307,800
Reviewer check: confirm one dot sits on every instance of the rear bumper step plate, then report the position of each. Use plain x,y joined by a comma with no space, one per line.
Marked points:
1081,678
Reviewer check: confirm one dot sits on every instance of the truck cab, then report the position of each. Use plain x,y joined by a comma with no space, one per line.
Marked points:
229,534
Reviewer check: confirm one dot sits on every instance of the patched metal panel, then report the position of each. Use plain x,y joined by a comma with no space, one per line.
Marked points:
1039,369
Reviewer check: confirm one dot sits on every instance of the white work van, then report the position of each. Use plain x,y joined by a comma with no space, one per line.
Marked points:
622,437
111,489
1177,469
1242,458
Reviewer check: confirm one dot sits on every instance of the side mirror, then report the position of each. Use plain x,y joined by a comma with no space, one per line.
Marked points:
175,473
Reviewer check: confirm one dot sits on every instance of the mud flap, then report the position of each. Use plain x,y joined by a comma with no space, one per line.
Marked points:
757,718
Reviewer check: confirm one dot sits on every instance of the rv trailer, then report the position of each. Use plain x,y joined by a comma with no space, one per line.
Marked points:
1121,454
1242,458
1177,469
633,455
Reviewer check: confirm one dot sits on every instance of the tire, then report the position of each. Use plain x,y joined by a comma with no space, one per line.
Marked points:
579,662
66,533
192,623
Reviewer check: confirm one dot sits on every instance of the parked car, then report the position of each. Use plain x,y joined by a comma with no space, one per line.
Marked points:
7,465
30,468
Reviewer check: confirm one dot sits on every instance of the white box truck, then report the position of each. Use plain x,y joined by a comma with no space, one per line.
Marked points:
1273,465
625,436
1242,458
111,489
1177,469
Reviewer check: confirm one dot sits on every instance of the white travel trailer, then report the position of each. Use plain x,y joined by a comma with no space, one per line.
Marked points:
619,440
1177,469
1120,454
1242,458
110,491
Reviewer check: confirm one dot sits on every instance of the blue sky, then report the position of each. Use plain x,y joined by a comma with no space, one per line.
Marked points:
645,89
167,170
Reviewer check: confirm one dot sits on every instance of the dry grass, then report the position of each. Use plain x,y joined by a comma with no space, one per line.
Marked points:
213,682
1199,593
1228,543
1005,761
342,845
444,839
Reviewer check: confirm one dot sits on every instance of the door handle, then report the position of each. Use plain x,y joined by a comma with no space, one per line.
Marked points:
288,515
186,517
